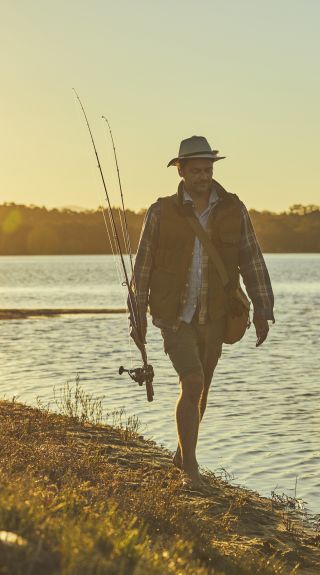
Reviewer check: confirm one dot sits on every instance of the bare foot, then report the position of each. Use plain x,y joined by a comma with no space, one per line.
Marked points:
191,481
191,475
191,478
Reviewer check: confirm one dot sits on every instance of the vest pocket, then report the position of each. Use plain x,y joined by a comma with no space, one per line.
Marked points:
162,284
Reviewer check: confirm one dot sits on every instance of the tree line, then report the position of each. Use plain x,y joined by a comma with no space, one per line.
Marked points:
31,230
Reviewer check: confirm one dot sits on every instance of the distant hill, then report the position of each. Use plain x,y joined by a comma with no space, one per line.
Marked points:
37,230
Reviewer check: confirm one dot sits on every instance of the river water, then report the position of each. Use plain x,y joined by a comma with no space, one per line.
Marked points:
262,423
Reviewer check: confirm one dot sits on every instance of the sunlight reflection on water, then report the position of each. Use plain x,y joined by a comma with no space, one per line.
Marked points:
262,420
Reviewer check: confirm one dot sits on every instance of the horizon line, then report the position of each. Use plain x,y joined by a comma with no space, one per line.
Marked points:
81,209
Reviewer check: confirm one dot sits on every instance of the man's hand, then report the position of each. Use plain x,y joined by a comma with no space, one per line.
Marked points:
262,329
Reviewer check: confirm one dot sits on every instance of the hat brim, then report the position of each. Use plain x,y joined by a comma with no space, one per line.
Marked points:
176,161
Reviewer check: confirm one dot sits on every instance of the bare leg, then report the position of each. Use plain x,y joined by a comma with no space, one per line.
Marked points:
177,460
209,363
188,419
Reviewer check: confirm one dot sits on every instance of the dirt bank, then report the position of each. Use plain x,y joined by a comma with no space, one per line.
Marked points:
99,499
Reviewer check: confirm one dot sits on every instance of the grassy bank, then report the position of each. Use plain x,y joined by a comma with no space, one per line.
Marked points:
86,498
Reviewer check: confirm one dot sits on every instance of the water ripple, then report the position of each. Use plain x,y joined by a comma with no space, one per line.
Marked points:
262,420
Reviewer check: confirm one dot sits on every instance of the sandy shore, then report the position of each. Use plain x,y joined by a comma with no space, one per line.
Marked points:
27,313
223,528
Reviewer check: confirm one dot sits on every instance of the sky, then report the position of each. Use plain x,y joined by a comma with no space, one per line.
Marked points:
244,74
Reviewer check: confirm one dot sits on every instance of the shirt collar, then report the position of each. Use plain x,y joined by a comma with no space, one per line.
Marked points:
213,198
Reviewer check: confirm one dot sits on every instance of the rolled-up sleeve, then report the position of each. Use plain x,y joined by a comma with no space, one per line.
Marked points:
254,271
140,281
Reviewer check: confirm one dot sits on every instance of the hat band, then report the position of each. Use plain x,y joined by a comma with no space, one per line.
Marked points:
212,153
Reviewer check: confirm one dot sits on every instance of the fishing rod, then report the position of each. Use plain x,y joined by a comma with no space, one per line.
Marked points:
126,233
144,374
124,226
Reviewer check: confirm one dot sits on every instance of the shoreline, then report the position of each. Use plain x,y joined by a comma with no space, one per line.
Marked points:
66,477
25,313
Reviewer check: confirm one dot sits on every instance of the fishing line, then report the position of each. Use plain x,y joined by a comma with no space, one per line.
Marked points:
114,254
113,226
126,235
120,279
122,216
124,226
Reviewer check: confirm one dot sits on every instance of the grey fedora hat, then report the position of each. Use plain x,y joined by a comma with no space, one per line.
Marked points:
195,147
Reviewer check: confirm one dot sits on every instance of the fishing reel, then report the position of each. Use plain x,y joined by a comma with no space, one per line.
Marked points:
141,375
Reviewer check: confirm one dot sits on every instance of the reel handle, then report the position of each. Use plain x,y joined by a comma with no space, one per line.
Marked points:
141,375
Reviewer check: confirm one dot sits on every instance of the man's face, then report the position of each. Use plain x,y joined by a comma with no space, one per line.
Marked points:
197,175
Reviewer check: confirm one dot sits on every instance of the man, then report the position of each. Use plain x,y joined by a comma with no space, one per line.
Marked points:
175,276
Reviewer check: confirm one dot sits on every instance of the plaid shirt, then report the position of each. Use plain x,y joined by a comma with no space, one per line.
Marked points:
252,268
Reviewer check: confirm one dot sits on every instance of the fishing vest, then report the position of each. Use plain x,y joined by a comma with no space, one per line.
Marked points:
173,254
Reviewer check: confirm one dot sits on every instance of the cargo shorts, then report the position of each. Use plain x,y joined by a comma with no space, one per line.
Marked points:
195,348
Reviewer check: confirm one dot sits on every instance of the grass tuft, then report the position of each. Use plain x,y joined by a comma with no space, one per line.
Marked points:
80,406
83,408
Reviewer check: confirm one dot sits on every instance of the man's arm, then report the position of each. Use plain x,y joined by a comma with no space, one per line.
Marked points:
140,282
255,277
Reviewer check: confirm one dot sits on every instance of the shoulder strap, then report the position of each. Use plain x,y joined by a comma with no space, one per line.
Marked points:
210,249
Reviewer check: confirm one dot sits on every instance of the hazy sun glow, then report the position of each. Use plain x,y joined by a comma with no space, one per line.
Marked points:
243,74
